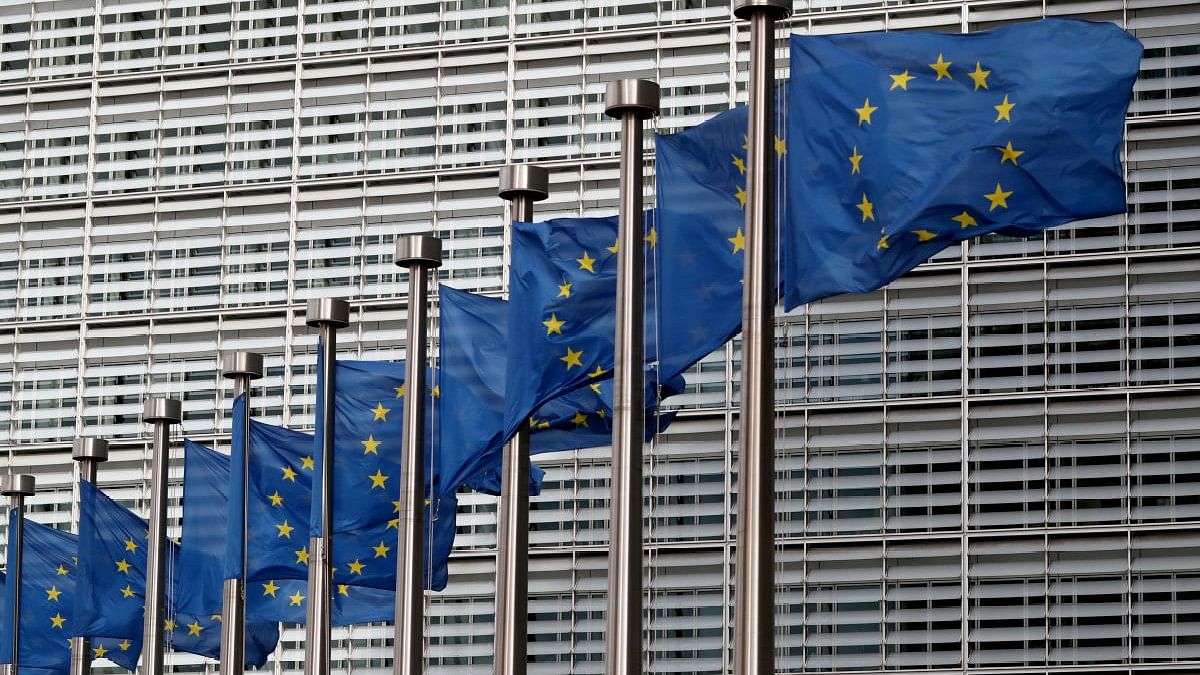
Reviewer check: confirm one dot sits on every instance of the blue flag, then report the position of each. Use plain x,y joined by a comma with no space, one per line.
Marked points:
368,397
48,579
900,144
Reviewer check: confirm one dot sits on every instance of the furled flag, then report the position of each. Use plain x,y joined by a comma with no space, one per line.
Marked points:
279,495
901,144
112,582
473,360
48,578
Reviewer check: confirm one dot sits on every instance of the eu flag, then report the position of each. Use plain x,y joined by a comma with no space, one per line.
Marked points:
48,580
901,144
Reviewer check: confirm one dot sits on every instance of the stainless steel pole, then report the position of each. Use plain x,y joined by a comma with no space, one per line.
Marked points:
88,453
631,101
754,597
327,315
241,367
521,185
16,487
162,413
419,253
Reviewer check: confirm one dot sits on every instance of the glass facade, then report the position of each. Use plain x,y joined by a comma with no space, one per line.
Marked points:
992,465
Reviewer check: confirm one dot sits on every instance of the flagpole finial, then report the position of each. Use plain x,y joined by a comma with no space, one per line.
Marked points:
89,449
528,180
17,485
166,410
332,311
640,97
242,364
418,250
777,9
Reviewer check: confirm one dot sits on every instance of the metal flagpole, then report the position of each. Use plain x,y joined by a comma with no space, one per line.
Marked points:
419,253
162,413
754,597
16,488
631,101
521,185
327,315
88,453
241,367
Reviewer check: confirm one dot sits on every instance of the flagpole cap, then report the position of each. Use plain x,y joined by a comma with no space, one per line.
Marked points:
327,311
166,410
89,449
775,9
524,180
242,364
17,485
639,97
418,250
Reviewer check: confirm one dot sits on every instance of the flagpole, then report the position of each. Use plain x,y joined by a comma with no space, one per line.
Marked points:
16,488
521,185
162,413
327,315
754,596
88,453
242,368
631,101
419,253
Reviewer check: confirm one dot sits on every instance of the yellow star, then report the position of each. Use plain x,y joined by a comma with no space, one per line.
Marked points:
1004,110
965,219
344,589
741,196
124,645
598,371
57,621
901,80
740,164
553,325
62,571
924,235
395,506
652,237
52,593
378,480
127,592
855,159
400,391
979,75
194,628
587,262
270,588
738,240
370,446
289,474
601,414
564,289
285,530
572,358
393,523
864,113
1009,154
276,499
99,651
780,147
123,566
942,68
169,625
437,391
380,412
998,198
356,567
381,550
867,208
594,387
616,246
307,463
301,556
131,545
296,599
883,242
214,617
580,419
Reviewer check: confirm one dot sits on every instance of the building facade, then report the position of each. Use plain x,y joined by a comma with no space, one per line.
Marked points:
991,466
